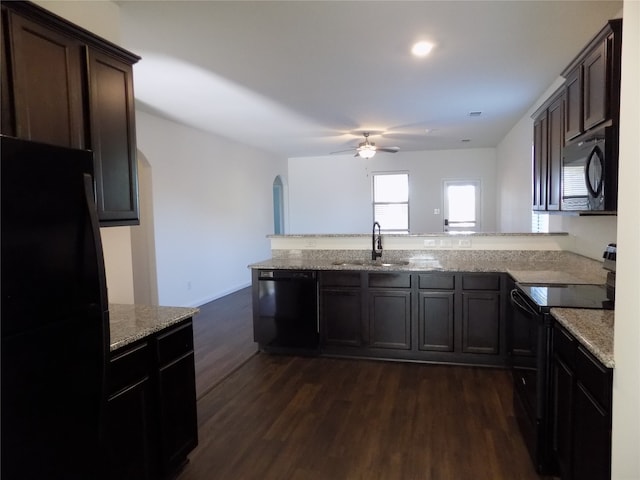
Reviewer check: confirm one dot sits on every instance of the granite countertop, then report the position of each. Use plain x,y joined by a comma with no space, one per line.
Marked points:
129,323
522,270
592,328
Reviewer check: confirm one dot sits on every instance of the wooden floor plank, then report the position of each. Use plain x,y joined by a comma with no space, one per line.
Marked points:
279,417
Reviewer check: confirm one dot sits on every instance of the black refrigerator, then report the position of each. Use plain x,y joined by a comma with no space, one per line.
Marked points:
54,314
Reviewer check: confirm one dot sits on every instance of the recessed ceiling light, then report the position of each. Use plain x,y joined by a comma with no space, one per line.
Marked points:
421,49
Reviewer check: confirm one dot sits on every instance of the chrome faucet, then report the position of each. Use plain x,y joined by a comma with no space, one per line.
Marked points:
376,243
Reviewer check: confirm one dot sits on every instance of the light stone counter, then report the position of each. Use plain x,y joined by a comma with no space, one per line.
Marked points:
129,323
525,266
592,328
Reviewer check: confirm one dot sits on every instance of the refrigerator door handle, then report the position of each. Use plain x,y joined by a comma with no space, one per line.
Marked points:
97,239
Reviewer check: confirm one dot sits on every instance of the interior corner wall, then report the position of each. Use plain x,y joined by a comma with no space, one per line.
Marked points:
213,208
332,194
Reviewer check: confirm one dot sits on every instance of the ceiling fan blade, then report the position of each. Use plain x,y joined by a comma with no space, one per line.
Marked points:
343,151
388,149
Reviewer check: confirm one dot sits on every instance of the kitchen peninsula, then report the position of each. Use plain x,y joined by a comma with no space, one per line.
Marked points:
425,258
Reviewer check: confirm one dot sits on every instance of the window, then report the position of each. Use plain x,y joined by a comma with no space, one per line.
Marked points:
462,205
391,201
539,222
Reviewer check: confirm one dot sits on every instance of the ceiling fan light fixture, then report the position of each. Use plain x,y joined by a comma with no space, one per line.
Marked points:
367,151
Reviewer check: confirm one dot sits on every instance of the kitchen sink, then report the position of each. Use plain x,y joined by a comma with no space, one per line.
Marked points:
358,263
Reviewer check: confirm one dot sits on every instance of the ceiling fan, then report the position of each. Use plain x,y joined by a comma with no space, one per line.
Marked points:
368,149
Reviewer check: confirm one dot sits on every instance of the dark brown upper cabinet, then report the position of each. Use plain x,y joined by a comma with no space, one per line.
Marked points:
65,86
548,141
592,87
589,99
47,78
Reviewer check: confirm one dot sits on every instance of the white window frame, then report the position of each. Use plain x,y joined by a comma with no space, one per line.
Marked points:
478,200
374,203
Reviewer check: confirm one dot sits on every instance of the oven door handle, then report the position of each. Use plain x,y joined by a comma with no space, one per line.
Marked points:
518,301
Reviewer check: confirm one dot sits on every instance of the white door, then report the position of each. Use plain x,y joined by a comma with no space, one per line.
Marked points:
461,205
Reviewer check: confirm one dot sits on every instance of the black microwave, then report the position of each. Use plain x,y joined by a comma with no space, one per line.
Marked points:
590,172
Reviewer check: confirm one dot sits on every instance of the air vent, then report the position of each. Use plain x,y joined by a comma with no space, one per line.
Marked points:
475,114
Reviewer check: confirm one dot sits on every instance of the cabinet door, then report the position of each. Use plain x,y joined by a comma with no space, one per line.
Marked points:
573,114
177,408
592,438
7,121
595,86
481,322
131,425
556,144
47,85
540,163
113,139
130,451
390,319
563,384
436,320
341,317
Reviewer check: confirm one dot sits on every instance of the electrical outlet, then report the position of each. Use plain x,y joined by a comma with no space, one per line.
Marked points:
445,242
436,211
310,243
430,242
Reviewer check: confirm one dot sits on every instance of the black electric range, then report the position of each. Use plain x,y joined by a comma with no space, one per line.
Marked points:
530,335
546,296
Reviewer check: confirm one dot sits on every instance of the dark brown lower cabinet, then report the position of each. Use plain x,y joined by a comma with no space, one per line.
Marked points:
431,316
481,322
151,422
582,391
390,319
129,425
436,321
341,317
176,391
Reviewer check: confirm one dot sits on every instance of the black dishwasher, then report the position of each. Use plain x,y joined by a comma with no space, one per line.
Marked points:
285,314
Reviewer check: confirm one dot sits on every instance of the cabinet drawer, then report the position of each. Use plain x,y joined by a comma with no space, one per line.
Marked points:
437,281
340,279
175,343
564,345
481,282
398,280
595,377
128,367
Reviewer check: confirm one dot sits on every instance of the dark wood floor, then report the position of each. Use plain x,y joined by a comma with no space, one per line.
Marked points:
280,417
223,338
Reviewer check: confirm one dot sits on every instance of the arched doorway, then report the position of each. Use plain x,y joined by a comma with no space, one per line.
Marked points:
278,206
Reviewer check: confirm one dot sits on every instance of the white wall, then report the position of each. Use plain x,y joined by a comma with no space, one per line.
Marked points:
332,194
514,170
626,376
212,202
590,234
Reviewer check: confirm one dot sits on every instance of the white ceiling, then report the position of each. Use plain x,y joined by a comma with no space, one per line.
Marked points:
305,78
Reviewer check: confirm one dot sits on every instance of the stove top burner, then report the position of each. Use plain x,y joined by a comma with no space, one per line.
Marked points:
568,296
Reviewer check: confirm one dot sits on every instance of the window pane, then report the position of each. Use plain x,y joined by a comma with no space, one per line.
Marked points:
462,204
391,188
394,216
